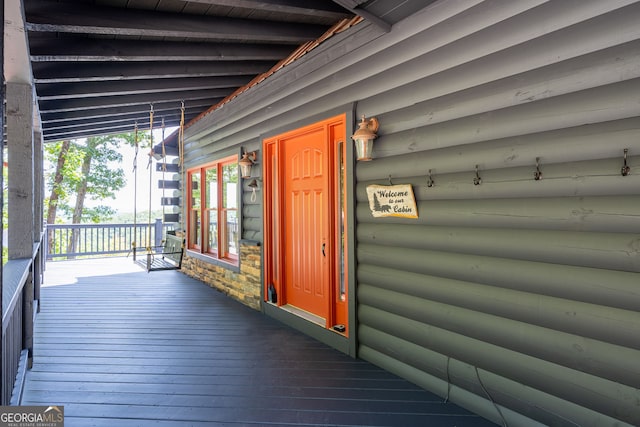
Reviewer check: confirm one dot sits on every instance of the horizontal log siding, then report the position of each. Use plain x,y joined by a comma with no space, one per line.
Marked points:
252,207
516,298
523,292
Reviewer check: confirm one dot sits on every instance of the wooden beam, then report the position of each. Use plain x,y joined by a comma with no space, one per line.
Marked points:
132,87
51,16
106,129
169,167
312,8
171,217
122,101
76,49
169,201
72,130
141,117
62,72
160,109
169,184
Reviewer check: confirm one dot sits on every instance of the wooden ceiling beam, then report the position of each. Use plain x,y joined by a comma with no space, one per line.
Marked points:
104,129
76,49
313,8
140,117
132,87
62,72
124,100
51,16
160,108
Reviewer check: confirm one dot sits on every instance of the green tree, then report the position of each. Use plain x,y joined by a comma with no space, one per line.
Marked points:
66,157
97,180
89,170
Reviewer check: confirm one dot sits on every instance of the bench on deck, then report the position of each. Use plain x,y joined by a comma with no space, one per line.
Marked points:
169,256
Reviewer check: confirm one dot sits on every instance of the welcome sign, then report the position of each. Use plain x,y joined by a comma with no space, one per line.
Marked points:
392,200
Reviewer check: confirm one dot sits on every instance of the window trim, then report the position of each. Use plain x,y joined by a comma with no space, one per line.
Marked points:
203,212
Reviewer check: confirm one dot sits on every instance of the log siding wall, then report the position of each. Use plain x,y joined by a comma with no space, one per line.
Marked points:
516,298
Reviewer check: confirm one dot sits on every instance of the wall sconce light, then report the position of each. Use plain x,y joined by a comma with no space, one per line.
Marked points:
246,162
364,136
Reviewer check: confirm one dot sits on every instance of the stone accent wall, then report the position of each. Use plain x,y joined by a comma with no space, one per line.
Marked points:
243,286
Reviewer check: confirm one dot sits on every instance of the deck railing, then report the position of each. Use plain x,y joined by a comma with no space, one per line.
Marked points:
68,241
21,279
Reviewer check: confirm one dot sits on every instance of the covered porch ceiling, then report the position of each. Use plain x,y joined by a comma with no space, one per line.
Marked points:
100,66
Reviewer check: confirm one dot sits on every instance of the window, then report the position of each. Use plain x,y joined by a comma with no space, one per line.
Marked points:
213,214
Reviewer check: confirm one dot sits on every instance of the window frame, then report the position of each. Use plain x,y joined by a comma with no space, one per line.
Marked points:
200,244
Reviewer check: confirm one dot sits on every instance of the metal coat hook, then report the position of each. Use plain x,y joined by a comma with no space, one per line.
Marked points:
625,168
477,180
430,181
537,175
390,183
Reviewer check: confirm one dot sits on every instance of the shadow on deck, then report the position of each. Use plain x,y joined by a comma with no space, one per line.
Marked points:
117,346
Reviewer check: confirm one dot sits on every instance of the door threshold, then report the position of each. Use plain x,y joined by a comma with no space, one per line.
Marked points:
313,318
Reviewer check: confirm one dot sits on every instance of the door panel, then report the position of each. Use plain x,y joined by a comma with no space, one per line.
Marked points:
306,278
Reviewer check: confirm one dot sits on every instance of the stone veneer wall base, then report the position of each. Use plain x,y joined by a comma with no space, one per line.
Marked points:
243,286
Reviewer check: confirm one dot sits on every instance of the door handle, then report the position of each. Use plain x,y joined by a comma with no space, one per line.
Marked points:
323,254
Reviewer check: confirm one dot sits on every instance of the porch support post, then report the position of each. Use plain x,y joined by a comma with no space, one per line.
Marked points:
21,191
21,177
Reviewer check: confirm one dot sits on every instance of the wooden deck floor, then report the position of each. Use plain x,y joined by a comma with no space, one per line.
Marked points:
117,346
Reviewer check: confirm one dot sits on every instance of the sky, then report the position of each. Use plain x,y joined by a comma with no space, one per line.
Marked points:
124,201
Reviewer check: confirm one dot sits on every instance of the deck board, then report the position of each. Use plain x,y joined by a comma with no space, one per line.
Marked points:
117,346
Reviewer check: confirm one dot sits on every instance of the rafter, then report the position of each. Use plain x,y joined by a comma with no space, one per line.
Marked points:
140,117
131,87
50,16
107,129
123,101
76,49
115,112
313,8
61,72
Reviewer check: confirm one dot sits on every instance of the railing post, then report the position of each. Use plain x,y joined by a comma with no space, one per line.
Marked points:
27,316
45,242
158,232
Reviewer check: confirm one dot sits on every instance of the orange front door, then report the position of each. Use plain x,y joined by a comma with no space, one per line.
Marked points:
306,220
305,247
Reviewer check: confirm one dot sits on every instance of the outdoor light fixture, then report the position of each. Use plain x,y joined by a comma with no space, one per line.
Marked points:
364,136
246,162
